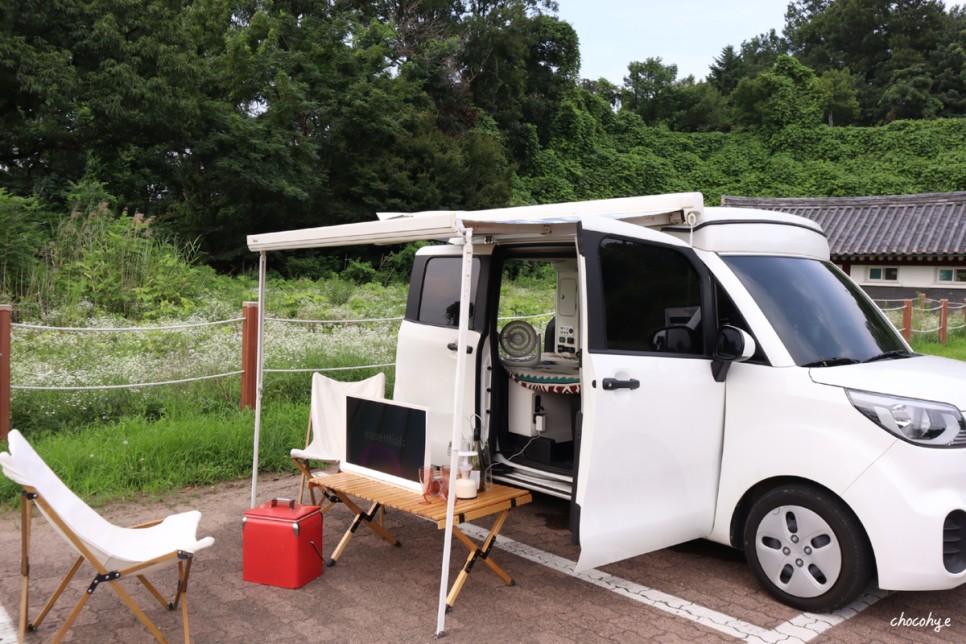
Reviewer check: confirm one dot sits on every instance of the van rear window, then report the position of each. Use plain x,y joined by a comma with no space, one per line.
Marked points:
439,303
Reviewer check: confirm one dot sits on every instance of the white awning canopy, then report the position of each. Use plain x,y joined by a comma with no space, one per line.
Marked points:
543,221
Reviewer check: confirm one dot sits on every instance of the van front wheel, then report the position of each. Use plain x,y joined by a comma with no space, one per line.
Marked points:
806,548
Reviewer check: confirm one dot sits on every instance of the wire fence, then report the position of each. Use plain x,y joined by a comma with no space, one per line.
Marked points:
204,351
186,326
923,317
915,318
121,329
16,326
90,367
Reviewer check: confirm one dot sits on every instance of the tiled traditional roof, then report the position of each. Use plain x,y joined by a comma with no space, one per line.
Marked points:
923,227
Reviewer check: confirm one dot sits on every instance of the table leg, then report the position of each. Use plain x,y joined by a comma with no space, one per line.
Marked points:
478,552
330,499
360,518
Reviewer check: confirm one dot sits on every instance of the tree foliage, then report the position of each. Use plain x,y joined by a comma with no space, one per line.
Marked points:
894,46
223,118
788,94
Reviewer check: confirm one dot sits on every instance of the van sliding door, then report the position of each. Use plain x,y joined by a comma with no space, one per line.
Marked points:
652,433
426,349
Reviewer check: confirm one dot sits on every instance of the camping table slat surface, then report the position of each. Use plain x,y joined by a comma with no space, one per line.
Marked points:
496,499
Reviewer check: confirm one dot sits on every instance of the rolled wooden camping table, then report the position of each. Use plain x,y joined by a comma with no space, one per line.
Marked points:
496,499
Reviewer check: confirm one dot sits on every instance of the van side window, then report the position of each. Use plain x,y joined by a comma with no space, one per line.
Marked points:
440,294
652,298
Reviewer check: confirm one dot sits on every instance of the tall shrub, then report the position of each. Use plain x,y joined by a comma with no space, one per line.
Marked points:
100,263
21,236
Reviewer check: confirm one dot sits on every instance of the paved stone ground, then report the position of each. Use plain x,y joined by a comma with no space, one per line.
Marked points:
381,593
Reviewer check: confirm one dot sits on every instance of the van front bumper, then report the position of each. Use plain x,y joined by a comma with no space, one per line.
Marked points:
912,503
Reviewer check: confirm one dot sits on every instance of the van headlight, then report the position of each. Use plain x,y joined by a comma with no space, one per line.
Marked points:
918,421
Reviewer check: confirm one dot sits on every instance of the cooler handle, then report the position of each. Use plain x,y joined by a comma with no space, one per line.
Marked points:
317,550
291,502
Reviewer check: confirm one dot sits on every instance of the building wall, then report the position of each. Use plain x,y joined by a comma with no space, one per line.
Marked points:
911,281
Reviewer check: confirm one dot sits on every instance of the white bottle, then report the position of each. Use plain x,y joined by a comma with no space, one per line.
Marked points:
465,485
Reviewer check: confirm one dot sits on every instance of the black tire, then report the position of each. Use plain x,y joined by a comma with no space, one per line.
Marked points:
807,549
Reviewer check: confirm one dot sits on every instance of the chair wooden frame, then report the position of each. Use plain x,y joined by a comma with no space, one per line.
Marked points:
114,552
303,465
30,497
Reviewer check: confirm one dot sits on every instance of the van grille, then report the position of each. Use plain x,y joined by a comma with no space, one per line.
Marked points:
954,541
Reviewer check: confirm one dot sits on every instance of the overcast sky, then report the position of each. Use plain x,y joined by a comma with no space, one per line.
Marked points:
686,33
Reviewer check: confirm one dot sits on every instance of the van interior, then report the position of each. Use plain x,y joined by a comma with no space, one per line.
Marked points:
534,385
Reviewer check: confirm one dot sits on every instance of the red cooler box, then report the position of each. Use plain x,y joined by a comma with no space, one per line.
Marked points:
282,544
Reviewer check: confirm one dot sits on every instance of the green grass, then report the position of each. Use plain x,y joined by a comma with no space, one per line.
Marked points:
135,456
955,347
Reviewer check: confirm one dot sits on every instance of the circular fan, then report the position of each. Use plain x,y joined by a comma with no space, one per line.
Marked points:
519,339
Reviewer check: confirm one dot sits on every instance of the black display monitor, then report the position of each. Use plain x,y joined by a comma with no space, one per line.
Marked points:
386,440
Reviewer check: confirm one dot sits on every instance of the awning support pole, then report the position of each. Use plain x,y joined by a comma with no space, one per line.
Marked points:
461,346
259,371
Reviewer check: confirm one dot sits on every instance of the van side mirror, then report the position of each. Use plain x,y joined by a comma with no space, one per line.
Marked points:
732,345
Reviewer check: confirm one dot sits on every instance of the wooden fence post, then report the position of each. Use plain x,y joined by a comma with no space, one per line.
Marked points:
907,320
249,354
943,319
6,312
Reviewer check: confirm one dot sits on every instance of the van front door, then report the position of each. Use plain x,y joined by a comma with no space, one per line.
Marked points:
653,415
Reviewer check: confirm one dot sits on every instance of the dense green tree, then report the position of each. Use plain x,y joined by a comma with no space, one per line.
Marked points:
761,52
788,94
949,65
259,165
834,34
727,69
552,64
517,62
891,45
700,108
650,91
425,46
908,94
604,89
108,85
840,103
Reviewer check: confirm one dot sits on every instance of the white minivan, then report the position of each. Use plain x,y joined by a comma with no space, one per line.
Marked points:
706,373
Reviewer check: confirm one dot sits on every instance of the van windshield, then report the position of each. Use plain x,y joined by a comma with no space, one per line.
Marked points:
821,316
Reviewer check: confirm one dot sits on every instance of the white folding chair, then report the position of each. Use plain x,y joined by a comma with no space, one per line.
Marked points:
114,552
325,434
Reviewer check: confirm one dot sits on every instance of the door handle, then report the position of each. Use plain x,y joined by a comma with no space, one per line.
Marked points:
613,383
452,347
